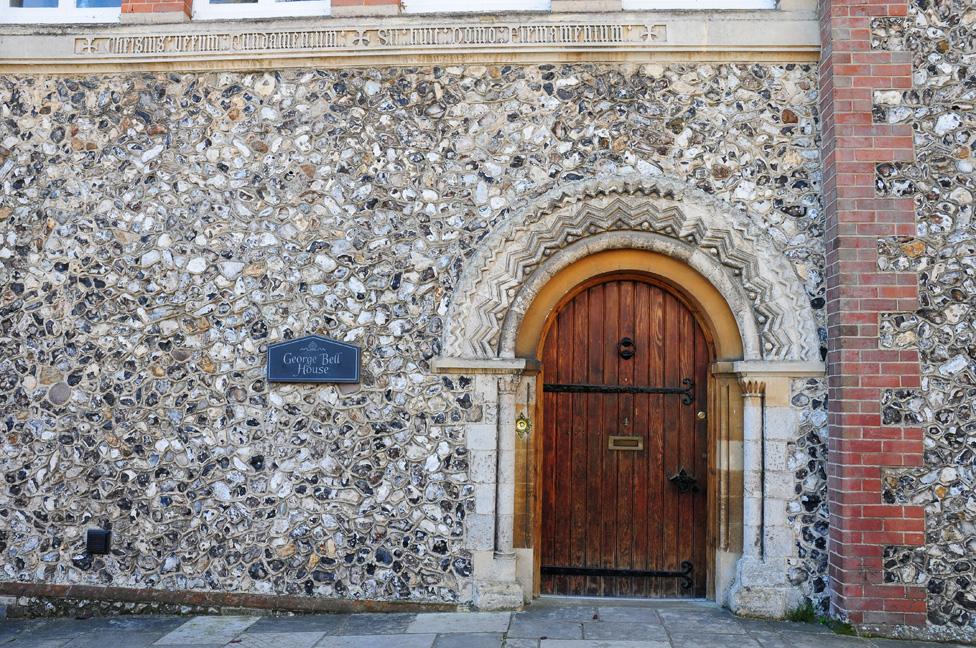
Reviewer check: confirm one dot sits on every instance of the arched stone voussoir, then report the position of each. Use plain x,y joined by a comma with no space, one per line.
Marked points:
705,265
750,268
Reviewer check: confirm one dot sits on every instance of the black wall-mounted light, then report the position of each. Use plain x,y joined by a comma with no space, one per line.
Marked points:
98,541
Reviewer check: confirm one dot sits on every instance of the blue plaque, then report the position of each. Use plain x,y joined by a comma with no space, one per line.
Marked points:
313,359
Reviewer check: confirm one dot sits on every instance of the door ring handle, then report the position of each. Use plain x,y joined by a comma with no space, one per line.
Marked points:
626,348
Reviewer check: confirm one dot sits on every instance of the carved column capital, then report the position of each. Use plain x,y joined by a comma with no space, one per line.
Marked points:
509,383
752,388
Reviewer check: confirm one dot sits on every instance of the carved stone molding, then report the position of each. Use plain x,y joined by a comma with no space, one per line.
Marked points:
752,388
314,40
572,214
458,35
509,384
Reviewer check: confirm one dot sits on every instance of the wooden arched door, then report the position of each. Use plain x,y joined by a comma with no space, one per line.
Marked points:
625,367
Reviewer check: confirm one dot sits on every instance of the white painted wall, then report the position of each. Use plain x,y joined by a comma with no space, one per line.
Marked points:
638,5
474,6
206,10
65,12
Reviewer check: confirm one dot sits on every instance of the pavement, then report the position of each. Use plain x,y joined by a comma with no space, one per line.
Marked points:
547,623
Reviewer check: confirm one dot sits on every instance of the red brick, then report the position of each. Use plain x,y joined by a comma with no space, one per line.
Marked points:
156,6
857,294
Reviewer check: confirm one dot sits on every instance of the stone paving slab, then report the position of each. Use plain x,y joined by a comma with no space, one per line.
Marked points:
278,639
10,629
625,631
470,640
537,628
43,629
378,641
122,639
375,624
597,643
629,614
808,640
701,639
207,630
893,643
521,643
123,631
703,624
549,623
762,625
330,624
697,611
578,613
135,623
452,622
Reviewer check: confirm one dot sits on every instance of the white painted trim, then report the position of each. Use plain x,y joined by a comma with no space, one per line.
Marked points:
643,5
205,10
479,6
65,12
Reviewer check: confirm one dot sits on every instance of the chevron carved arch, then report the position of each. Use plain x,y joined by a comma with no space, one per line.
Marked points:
754,273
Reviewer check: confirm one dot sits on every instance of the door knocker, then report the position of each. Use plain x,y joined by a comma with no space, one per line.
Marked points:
684,481
625,348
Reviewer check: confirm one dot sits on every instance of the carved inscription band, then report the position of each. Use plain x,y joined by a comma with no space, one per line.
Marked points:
381,38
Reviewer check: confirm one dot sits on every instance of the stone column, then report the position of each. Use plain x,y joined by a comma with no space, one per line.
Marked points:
752,461
505,467
760,587
496,587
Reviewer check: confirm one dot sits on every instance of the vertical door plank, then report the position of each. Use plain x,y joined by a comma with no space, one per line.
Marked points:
656,473
578,458
686,440
701,543
671,433
564,355
550,419
625,460
611,335
642,427
596,450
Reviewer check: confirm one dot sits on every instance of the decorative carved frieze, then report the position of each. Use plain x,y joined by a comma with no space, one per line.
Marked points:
451,36
300,42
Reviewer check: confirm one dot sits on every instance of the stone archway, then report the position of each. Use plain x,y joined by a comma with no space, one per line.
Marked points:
722,242
760,290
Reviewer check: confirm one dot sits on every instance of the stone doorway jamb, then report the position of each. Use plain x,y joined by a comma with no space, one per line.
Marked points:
491,444
769,425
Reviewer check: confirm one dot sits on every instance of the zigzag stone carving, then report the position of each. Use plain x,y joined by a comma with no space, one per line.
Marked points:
574,212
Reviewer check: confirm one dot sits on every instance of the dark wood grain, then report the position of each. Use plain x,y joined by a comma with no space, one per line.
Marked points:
616,509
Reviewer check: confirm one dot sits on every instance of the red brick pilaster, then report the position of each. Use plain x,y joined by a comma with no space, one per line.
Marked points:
157,6
339,7
861,446
365,7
